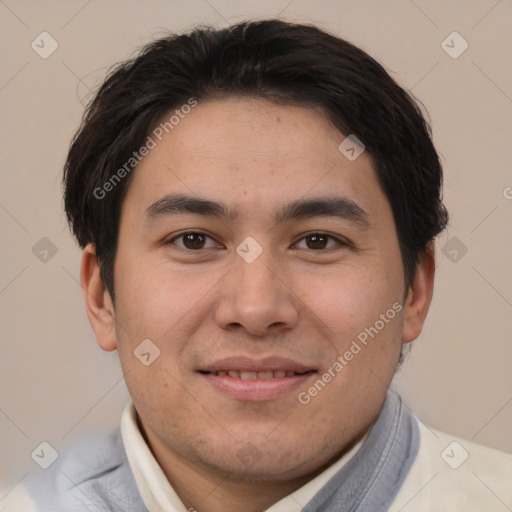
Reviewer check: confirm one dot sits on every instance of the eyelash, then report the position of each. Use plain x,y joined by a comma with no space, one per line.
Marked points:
339,242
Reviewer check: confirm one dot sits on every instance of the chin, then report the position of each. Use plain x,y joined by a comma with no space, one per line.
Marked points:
263,470
260,459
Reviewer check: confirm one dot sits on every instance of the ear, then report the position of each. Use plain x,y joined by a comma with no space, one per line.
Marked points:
100,308
419,295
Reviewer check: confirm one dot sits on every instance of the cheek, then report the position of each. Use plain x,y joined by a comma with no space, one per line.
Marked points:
350,301
144,291
158,301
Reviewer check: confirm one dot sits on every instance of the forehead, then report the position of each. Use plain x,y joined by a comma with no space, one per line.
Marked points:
253,153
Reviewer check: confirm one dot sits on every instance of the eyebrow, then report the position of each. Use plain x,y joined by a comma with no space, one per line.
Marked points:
182,204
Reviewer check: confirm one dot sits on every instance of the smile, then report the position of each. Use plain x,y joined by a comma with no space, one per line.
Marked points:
249,379
262,375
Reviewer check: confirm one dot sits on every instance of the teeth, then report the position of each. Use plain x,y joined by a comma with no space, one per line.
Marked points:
263,375
248,375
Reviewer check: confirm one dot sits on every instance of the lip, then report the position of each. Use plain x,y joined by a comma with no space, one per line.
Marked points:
255,389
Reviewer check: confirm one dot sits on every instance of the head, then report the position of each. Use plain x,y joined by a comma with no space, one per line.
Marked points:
223,216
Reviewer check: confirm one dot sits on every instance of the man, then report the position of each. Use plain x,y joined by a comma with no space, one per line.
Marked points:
257,207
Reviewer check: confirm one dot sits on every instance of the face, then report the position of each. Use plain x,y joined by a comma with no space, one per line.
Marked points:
264,266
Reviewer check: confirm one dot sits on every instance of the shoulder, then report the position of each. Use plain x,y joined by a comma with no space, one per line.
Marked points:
456,473
94,475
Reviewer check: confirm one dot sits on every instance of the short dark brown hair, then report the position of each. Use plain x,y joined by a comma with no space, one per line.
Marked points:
284,62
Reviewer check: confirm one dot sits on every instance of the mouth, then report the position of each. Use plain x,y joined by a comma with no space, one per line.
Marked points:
251,375
248,379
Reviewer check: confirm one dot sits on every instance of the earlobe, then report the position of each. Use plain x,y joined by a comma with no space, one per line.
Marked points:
98,303
419,296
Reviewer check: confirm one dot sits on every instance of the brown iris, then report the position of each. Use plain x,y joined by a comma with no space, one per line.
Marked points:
317,241
193,240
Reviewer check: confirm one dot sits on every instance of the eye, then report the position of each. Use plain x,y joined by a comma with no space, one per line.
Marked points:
193,241
319,241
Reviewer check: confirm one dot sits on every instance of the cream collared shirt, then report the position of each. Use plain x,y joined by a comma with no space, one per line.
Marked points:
158,494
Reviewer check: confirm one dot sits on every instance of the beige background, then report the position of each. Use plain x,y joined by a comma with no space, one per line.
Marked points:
57,386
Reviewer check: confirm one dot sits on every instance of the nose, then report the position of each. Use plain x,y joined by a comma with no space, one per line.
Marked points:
255,298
